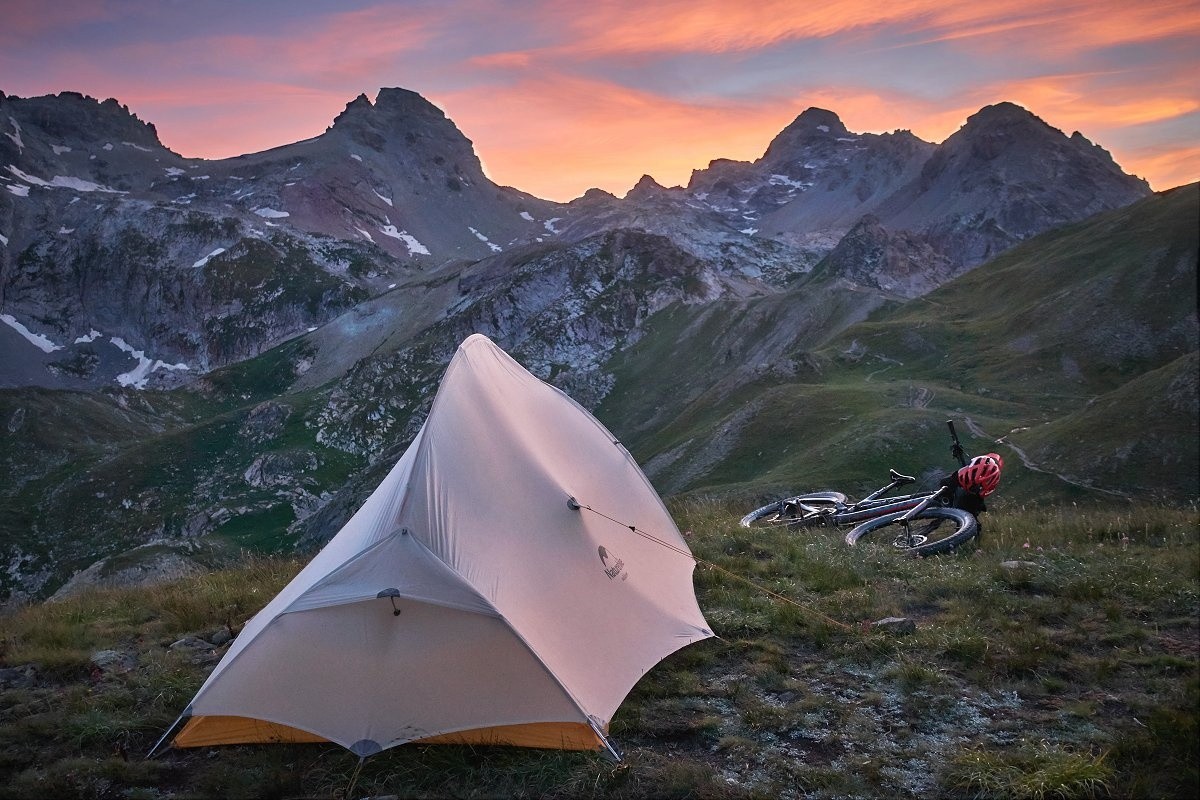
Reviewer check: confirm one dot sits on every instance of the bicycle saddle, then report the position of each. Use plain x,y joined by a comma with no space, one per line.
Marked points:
898,478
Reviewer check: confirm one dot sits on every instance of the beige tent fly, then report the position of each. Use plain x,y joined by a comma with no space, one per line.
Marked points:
471,599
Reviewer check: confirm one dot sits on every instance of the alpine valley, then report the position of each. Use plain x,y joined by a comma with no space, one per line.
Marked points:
200,357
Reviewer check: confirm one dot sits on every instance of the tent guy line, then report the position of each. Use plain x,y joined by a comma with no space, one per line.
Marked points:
575,504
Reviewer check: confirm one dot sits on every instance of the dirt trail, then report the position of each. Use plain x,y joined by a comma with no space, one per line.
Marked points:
1030,464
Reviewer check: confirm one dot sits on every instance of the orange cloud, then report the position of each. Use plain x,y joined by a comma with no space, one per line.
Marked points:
556,136
1165,168
628,26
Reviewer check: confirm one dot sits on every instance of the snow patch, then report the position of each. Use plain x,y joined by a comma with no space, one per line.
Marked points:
59,149
391,286
365,235
784,180
107,146
63,230
138,147
16,134
550,224
387,200
495,248
62,182
204,260
823,128
80,185
271,213
527,216
414,247
356,157
749,231
18,190
174,172
36,339
90,337
138,376
3,240
310,330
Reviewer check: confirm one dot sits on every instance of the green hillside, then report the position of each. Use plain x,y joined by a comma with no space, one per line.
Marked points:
1074,348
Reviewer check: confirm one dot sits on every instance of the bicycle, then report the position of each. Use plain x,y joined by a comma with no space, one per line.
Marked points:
919,524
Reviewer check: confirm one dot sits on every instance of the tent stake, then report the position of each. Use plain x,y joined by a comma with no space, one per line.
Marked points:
354,777
171,731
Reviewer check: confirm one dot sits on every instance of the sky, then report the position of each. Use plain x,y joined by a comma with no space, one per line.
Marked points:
562,95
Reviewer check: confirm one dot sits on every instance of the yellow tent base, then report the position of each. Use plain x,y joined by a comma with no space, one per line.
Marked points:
213,730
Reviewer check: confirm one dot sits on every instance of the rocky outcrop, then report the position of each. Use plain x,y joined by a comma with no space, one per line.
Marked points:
194,264
900,263
1003,177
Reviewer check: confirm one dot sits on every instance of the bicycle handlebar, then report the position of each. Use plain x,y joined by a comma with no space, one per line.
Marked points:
956,449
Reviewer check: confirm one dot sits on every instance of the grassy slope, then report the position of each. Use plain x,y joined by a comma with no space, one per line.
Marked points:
1024,342
1073,677
108,471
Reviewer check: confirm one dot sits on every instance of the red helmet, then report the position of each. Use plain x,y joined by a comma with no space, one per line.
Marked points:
982,475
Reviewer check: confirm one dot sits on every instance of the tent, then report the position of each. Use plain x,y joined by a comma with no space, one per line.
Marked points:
490,591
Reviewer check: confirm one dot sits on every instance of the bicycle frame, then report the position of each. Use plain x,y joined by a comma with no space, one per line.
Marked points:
868,508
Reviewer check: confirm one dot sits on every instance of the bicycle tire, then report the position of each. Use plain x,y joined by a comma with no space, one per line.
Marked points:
940,530
783,512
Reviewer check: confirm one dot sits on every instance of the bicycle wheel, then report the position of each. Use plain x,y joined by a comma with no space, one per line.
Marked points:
793,511
934,530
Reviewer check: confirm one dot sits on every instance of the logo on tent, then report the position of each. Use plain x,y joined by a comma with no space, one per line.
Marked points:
614,569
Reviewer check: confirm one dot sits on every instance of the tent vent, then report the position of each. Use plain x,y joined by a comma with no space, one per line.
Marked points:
573,504
365,747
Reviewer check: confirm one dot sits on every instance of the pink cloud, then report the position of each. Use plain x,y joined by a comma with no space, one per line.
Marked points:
23,19
713,26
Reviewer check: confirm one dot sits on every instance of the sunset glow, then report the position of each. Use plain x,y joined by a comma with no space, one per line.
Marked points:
560,97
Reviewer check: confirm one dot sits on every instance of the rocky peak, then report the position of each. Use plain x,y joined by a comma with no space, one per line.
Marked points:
995,129
403,120
814,124
1031,149
646,187
391,105
593,196
80,119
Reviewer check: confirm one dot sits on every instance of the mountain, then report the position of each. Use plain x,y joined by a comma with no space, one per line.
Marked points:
115,246
207,355
123,262
1003,177
1075,348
